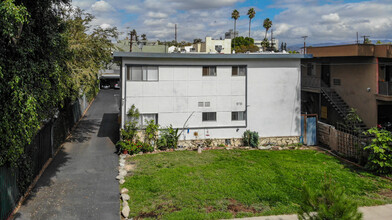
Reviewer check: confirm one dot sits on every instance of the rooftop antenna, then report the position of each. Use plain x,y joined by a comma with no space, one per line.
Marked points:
364,38
304,37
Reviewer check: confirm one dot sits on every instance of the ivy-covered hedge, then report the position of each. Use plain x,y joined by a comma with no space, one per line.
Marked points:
49,54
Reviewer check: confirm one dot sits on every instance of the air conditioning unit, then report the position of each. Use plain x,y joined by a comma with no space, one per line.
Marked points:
218,48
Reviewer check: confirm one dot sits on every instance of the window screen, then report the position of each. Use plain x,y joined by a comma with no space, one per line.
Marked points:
238,116
238,71
136,73
152,73
143,73
145,118
242,70
209,116
209,70
336,82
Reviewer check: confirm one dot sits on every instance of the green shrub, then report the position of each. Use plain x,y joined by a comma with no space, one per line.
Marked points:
380,151
130,128
146,147
329,203
151,133
168,138
251,138
134,147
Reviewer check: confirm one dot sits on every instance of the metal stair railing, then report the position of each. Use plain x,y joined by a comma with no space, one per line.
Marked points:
329,95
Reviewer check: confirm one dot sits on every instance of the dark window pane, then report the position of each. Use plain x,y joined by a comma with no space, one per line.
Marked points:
128,73
234,116
213,116
205,71
238,116
234,71
209,116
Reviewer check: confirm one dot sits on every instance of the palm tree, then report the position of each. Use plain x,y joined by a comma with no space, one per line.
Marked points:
267,24
144,37
235,15
251,14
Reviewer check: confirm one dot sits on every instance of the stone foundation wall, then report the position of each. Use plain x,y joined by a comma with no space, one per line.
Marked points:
278,141
237,142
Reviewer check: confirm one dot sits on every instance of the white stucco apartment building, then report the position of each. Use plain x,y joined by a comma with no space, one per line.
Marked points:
221,95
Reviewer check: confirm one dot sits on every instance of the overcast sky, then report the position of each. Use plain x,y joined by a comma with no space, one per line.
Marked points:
322,20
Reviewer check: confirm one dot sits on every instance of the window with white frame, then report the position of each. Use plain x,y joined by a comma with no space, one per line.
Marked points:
144,119
209,70
238,71
238,116
209,116
142,73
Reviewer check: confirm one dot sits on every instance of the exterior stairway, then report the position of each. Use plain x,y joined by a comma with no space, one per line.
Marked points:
338,104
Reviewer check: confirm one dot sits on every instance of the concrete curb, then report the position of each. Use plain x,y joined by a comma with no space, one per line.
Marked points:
369,213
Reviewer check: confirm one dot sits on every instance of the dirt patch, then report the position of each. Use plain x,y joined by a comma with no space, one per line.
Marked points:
210,209
130,167
159,211
151,214
386,193
235,207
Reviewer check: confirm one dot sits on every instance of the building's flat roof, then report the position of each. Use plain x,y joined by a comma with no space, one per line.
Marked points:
352,50
210,56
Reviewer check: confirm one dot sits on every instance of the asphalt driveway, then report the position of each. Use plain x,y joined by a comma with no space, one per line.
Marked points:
80,182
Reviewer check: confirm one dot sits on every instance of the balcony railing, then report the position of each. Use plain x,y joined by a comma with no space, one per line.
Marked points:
385,88
312,82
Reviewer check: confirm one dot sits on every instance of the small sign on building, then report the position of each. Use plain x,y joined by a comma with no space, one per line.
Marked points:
324,112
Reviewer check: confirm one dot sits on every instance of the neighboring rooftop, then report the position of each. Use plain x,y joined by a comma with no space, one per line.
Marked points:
352,50
212,56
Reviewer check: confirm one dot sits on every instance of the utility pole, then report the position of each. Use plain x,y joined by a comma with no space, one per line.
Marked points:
304,37
130,41
175,32
364,38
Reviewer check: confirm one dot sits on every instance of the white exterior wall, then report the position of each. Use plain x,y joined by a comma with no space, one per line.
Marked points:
210,45
271,91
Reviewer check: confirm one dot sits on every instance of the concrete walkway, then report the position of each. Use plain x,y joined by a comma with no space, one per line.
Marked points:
80,182
381,212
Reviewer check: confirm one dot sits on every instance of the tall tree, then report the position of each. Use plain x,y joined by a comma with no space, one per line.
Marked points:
33,73
197,40
89,51
251,13
235,15
144,37
267,24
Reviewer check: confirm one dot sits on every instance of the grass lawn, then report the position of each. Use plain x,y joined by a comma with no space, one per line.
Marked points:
239,183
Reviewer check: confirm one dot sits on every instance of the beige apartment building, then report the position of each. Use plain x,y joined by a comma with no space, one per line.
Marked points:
342,77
